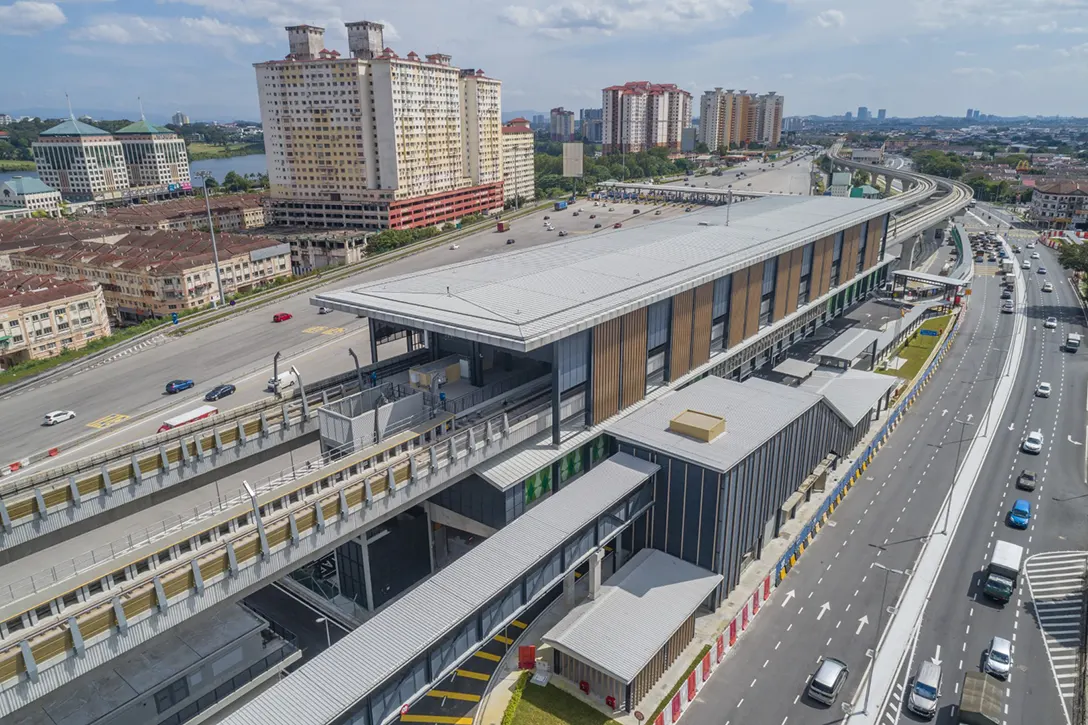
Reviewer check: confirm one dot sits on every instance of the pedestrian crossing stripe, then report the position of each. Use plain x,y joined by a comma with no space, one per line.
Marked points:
473,675
504,640
487,656
451,695
436,719
108,420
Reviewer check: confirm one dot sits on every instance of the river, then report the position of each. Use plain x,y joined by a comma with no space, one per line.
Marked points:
252,164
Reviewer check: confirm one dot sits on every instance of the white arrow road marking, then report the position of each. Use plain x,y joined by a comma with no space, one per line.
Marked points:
823,610
1011,427
1076,443
970,416
789,595
861,623
944,412
937,657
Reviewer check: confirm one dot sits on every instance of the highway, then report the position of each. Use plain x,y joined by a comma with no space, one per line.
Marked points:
831,603
239,350
834,609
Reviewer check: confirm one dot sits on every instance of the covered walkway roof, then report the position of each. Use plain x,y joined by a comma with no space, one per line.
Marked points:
848,346
647,601
934,279
363,661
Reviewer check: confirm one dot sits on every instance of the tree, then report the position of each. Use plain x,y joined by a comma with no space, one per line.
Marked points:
861,178
701,148
234,182
1074,257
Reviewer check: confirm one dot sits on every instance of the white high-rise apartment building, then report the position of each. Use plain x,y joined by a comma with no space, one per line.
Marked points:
375,140
640,115
179,119
518,160
82,162
769,126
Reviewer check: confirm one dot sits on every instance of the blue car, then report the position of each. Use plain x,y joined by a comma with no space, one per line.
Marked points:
176,386
1020,515
1042,270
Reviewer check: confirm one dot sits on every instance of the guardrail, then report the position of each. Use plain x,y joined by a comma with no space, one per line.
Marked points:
47,501
244,544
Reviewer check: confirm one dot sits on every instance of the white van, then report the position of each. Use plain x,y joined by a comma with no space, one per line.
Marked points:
281,382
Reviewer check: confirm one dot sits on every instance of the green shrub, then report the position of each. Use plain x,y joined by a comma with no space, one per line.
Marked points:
515,699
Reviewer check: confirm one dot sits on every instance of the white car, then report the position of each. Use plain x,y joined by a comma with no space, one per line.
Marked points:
1025,264
455,246
1047,287
1030,245
1051,323
999,658
1034,255
1042,390
58,416
1034,442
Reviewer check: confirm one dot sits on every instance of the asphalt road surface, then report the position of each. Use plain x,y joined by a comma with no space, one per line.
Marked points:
240,350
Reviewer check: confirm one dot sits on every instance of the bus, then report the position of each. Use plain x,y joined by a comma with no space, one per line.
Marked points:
204,411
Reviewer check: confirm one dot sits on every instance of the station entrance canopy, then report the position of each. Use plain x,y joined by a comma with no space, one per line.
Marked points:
905,275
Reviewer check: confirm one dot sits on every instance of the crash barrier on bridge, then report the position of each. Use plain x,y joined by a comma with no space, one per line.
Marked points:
53,499
239,546
854,473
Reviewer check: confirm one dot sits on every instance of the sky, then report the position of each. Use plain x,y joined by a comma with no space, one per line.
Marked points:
912,57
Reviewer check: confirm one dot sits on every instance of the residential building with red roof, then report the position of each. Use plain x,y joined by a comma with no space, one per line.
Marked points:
42,315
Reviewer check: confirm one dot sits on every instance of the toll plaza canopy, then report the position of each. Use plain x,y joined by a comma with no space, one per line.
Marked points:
933,279
527,299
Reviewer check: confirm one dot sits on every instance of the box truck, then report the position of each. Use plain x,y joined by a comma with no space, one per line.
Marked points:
1003,571
980,701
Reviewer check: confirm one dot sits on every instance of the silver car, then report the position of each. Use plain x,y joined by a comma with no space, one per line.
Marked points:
828,681
998,658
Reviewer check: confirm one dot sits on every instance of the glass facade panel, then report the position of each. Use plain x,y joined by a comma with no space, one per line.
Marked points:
836,260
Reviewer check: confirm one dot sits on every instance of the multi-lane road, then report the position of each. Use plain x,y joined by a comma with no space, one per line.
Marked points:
239,350
837,598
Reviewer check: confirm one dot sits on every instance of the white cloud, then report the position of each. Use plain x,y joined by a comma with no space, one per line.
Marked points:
831,19
786,76
1025,47
610,16
389,32
27,17
973,71
136,30
963,54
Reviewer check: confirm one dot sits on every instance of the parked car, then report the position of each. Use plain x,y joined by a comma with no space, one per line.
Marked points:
219,391
176,386
1026,480
324,310
281,317
58,416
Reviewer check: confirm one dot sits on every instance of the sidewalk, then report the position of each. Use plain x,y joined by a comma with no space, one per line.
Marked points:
761,576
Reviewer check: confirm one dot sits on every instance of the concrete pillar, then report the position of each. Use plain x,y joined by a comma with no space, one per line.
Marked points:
373,340
569,596
595,573
367,585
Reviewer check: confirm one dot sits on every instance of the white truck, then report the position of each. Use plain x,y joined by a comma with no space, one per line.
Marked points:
281,382
1003,571
1072,342
1008,266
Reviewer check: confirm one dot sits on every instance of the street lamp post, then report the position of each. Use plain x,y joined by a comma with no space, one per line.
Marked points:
276,374
879,623
328,636
955,471
205,175
358,370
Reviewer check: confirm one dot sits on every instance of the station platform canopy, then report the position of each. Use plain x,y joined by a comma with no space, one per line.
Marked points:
934,279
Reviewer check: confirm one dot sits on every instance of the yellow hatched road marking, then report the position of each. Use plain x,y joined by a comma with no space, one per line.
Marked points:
438,719
333,331
454,695
487,656
504,640
315,330
108,420
473,675
519,625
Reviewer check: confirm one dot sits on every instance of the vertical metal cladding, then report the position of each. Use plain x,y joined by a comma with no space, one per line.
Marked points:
755,291
634,357
782,286
738,306
825,249
794,285
851,242
872,248
606,369
700,337
680,352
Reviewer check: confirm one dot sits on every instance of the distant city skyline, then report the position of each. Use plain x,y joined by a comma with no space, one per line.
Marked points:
99,52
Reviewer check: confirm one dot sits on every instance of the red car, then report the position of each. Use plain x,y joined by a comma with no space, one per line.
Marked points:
281,317
617,225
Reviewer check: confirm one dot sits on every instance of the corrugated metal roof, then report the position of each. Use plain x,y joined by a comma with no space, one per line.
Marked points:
930,278
342,675
849,344
525,299
635,614
851,393
795,368
754,411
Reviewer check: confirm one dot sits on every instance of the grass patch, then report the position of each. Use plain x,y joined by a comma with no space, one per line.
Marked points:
917,349
551,706
679,683
200,151
7,165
